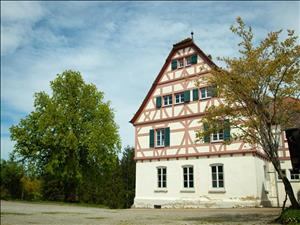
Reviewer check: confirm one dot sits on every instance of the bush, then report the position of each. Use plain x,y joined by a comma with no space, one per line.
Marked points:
290,216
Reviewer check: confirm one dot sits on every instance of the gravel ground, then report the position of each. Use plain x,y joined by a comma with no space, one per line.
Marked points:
45,213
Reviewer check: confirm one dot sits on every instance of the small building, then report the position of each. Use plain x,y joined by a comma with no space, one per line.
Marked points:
175,171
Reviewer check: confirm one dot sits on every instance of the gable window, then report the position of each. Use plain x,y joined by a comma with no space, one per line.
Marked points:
219,136
179,98
188,60
188,177
180,63
161,177
217,175
295,174
160,137
167,100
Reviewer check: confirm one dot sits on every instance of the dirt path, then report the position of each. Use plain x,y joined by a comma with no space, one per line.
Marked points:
14,213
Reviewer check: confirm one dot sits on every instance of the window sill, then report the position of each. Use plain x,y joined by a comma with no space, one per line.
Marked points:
217,190
217,141
161,190
160,146
204,99
188,190
166,106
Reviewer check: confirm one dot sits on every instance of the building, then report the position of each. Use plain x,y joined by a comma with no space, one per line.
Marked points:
172,170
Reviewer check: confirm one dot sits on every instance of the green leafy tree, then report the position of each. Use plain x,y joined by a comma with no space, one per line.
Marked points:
11,175
67,133
260,90
127,165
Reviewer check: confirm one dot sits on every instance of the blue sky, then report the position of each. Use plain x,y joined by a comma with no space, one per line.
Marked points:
118,46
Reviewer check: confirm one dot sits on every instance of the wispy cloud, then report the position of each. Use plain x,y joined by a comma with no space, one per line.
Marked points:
119,46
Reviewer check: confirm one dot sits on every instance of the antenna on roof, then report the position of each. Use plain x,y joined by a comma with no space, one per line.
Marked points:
192,33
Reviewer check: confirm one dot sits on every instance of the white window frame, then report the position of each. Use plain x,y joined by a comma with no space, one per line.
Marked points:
161,177
294,176
188,180
206,93
160,137
180,98
219,136
217,180
167,100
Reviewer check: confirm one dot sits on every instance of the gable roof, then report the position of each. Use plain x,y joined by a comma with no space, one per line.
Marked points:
188,42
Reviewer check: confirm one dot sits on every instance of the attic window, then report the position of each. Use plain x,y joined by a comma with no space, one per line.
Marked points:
181,63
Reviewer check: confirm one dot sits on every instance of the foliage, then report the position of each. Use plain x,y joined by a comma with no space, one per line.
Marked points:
127,165
260,90
290,216
11,175
67,133
31,188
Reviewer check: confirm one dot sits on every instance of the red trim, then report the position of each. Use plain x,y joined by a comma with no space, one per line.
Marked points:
206,154
187,43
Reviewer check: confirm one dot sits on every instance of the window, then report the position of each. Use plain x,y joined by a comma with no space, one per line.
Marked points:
295,174
180,63
167,100
188,60
217,176
284,172
179,98
219,136
188,177
206,92
160,137
161,177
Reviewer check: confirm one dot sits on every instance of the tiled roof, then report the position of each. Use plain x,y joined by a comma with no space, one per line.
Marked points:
185,41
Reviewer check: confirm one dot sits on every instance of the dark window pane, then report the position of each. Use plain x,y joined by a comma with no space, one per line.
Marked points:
185,184
220,176
164,184
158,184
191,177
185,170
185,177
214,183
191,169
220,168
213,169
214,176
221,184
191,184
164,171
164,177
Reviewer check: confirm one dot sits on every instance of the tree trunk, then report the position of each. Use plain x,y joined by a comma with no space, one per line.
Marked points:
287,185
289,190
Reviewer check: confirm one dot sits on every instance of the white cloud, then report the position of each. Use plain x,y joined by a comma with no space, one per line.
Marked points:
17,20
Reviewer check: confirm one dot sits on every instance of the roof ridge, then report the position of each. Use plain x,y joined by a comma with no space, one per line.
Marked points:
184,41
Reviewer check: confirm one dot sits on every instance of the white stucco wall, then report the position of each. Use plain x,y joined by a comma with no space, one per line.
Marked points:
243,182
